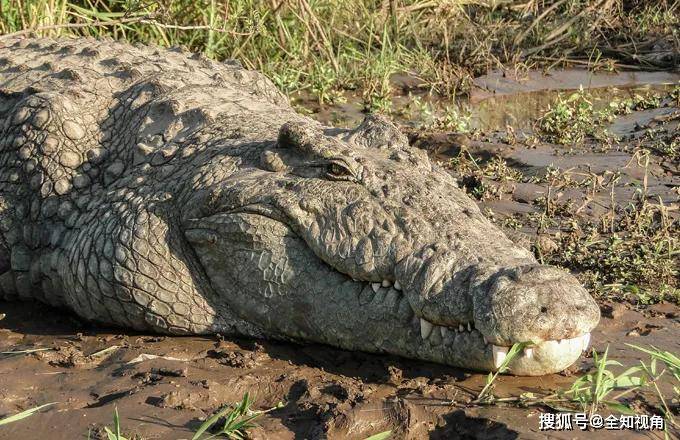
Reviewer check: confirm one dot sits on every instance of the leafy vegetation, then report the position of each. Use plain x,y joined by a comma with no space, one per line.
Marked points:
234,420
636,255
603,388
595,389
571,119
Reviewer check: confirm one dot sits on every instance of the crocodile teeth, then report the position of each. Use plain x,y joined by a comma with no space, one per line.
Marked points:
386,283
436,337
375,287
499,354
425,328
397,285
529,352
443,331
585,340
461,328
469,327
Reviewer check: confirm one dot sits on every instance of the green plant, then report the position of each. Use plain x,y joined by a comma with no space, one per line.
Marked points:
485,396
115,434
569,120
24,414
454,119
380,436
672,363
237,420
594,389
633,256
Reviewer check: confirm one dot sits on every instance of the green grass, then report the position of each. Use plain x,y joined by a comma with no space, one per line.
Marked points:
380,436
115,433
485,395
231,422
23,414
635,256
596,389
314,47
672,364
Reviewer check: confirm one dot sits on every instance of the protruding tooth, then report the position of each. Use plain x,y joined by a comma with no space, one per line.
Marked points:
486,340
425,328
585,342
386,283
436,337
375,287
461,328
499,354
529,352
397,285
443,331
469,327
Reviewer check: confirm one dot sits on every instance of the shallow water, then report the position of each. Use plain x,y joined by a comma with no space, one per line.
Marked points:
498,100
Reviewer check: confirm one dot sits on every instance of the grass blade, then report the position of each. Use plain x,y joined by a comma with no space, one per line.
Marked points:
24,414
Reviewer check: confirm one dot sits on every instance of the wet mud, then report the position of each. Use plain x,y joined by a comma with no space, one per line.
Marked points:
326,393
165,387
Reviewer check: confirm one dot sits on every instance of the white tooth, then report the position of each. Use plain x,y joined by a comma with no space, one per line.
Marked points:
461,328
499,354
585,341
469,327
386,283
375,287
397,285
486,340
425,328
529,352
443,331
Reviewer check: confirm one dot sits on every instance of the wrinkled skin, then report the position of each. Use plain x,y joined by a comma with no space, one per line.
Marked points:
174,194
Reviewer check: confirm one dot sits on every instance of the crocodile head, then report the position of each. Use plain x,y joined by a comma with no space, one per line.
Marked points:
355,239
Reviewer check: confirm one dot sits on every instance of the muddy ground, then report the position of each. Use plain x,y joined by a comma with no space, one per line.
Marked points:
329,393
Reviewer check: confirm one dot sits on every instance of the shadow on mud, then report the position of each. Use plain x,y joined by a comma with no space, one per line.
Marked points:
35,318
459,426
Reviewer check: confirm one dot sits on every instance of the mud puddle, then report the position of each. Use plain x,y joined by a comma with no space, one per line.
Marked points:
499,99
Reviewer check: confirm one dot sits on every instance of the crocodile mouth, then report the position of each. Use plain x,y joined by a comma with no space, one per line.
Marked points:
559,353
432,340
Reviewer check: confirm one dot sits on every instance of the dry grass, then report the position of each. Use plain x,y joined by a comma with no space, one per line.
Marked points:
314,47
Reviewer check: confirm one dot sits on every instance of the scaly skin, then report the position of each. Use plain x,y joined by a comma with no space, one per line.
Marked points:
158,191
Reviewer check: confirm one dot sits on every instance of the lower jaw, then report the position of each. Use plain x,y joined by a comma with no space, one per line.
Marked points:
549,356
460,347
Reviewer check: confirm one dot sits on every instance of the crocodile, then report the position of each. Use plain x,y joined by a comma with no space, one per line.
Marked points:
159,190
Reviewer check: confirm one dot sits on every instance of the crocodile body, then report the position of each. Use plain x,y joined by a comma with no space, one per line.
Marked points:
158,190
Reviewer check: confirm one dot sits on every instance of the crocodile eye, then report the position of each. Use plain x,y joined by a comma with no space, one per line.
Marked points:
338,171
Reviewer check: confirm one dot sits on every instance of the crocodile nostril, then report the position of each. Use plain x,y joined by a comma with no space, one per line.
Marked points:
544,309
